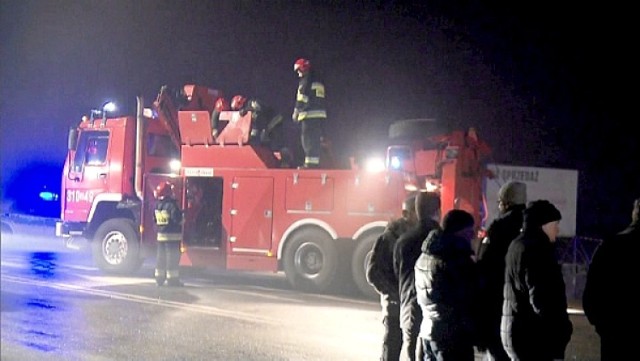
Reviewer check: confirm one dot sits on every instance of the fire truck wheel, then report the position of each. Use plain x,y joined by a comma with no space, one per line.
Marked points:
116,247
359,261
310,260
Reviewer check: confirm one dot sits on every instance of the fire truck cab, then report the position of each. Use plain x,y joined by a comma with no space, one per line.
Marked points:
244,208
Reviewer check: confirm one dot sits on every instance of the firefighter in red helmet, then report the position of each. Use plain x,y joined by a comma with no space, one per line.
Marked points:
310,111
237,102
168,218
265,121
219,106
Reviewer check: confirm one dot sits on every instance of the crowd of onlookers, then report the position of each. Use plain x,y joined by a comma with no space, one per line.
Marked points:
443,300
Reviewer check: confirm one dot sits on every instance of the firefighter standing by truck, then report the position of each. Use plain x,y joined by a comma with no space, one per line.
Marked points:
310,111
168,218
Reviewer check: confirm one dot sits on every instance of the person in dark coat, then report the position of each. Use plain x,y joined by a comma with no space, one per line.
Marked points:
607,307
168,218
512,200
535,323
447,287
381,276
405,254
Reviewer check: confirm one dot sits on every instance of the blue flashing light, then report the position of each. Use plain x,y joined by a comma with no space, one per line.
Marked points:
48,196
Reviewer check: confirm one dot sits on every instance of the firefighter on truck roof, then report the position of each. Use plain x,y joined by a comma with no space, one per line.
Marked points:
310,111
168,220
265,121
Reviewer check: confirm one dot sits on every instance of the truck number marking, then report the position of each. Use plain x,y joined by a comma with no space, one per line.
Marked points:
78,195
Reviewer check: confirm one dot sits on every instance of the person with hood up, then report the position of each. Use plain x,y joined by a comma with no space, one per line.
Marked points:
512,200
381,276
611,272
535,324
406,252
447,289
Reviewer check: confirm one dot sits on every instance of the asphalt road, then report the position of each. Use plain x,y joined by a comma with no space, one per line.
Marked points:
57,306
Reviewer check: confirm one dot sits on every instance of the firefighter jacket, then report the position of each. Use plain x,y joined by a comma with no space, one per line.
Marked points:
310,99
447,287
168,219
263,118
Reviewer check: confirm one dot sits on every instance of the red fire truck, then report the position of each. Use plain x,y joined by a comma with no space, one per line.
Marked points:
244,209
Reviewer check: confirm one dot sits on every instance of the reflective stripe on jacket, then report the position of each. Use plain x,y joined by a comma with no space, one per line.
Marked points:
310,99
168,219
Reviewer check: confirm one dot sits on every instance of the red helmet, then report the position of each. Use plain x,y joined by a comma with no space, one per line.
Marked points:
237,102
302,65
164,189
221,104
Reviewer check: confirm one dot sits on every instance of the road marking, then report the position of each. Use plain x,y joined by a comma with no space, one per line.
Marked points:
251,317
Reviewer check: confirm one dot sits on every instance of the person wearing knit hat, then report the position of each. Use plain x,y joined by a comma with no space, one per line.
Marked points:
535,323
512,199
512,193
457,220
543,214
605,299
447,287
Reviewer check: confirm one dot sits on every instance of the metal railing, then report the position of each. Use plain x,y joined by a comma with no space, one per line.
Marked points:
575,255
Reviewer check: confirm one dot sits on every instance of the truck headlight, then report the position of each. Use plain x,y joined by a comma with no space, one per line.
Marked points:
175,166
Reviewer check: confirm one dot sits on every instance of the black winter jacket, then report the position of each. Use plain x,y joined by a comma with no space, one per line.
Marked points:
535,324
406,253
612,272
447,288
491,263
380,272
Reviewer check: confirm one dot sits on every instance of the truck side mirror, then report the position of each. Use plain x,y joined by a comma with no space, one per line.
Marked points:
72,140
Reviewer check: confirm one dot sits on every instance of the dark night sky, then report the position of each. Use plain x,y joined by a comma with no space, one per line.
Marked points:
545,86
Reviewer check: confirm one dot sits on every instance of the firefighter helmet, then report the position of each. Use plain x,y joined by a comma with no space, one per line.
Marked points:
302,65
221,104
163,190
237,102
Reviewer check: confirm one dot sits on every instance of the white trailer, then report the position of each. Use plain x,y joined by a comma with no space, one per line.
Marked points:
558,186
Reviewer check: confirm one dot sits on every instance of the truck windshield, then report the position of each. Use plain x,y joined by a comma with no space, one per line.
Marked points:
91,150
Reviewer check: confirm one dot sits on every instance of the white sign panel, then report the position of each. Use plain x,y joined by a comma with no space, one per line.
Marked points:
558,186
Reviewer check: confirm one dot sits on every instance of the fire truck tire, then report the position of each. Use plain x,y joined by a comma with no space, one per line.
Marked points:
359,261
412,128
116,247
310,261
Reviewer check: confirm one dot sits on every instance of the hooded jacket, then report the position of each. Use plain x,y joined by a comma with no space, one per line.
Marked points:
447,285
